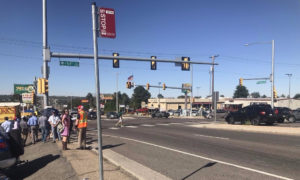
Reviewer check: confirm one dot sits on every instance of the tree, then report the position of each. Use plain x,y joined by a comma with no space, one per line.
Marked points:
139,95
182,97
125,99
297,96
91,100
222,95
255,95
160,96
264,96
241,92
282,95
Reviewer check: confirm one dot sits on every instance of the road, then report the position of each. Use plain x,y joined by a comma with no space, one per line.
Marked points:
176,150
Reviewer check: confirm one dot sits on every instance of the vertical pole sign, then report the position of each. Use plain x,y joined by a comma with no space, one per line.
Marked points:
107,22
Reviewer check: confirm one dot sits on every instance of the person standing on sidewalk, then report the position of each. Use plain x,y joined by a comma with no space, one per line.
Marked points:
33,124
24,130
43,124
81,125
54,120
6,125
66,123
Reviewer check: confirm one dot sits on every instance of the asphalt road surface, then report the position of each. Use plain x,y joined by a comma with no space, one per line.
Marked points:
176,150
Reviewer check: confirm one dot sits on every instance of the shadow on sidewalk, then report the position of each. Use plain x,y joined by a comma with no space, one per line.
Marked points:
205,166
26,169
109,146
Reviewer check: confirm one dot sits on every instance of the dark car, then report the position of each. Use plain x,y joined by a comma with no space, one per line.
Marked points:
160,114
256,114
112,115
295,115
49,111
282,113
92,115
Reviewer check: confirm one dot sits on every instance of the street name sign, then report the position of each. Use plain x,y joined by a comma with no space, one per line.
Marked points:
69,63
261,82
107,22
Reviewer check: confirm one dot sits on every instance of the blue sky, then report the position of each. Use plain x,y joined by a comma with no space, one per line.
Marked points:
167,29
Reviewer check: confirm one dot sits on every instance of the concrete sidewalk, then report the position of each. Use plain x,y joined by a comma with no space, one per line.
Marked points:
85,164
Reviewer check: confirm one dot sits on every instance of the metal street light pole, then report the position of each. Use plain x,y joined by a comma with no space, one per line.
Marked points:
158,96
45,48
272,70
289,75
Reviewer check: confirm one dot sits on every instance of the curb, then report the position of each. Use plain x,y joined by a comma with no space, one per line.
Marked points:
257,129
134,168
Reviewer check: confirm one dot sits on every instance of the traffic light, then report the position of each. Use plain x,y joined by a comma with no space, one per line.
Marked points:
241,82
147,86
185,66
128,85
33,98
116,63
39,86
43,89
164,86
46,86
153,63
274,93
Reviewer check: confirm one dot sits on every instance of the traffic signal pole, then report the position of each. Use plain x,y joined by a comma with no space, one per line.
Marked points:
45,50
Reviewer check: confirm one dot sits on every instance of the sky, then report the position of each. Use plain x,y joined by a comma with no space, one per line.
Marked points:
167,29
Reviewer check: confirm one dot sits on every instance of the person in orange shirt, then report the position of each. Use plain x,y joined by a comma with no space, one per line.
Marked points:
81,123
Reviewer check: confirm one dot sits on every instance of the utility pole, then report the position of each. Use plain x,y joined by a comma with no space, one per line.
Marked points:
158,96
45,48
213,81
289,75
272,75
191,98
117,94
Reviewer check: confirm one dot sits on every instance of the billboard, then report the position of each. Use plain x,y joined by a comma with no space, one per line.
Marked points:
106,22
27,98
23,88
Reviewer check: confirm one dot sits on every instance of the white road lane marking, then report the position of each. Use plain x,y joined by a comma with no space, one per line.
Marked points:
211,136
147,125
113,128
131,126
202,157
176,124
163,124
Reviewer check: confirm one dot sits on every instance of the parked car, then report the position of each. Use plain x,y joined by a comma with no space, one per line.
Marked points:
283,113
295,115
49,111
177,112
256,114
92,115
195,113
171,112
160,114
112,115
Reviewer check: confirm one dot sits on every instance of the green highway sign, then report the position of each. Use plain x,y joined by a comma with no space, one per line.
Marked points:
261,82
69,63
23,88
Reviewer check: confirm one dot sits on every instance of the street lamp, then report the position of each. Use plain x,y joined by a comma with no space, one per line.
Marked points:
289,75
158,96
272,73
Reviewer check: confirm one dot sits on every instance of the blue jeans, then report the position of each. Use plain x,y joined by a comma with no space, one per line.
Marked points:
44,133
55,132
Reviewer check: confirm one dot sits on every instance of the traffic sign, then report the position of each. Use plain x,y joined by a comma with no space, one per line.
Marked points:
107,22
69,63
261,82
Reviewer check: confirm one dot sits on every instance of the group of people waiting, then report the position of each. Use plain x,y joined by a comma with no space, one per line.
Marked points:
59,127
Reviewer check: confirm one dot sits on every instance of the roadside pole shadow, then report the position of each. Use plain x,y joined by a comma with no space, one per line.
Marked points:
205,166
26,169
110,146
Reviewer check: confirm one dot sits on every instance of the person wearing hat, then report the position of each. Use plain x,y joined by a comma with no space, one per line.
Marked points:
81,123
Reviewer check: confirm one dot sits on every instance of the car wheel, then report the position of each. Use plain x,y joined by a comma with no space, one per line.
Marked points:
292,119
255,121
281,120
231,120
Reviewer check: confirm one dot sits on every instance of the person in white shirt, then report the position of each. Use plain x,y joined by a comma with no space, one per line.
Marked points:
54,120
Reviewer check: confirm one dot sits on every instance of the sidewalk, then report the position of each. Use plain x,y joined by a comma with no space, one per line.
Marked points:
85,164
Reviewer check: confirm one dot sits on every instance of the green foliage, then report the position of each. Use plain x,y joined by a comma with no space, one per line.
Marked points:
139,94
160,96
264,96
92,101
241,92
297,96
255,95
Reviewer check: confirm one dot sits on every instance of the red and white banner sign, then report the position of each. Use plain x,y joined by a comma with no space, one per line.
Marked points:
107,22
